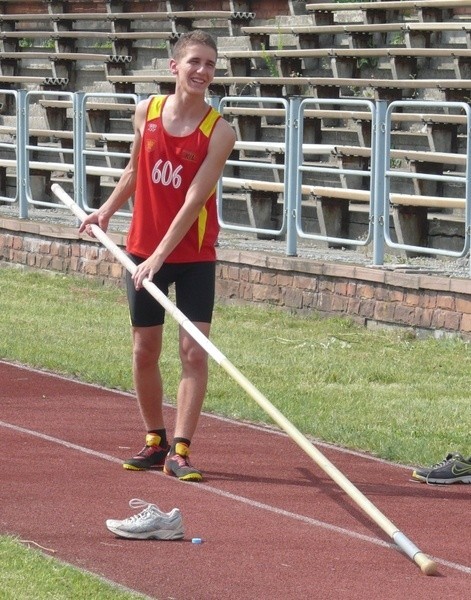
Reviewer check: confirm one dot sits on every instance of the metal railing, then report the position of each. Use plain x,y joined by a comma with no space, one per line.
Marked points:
458,180
278,170
292,177
10,149
301,167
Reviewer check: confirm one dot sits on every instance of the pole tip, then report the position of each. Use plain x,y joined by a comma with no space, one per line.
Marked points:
427,566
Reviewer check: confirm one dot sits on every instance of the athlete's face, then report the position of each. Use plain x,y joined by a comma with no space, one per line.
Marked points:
195,68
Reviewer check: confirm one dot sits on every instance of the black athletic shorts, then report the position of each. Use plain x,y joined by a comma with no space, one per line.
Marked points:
194,293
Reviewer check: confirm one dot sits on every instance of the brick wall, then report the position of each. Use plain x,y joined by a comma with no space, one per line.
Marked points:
439,305
369,295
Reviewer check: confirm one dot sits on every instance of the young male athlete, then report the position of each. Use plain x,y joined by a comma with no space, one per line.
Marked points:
180,147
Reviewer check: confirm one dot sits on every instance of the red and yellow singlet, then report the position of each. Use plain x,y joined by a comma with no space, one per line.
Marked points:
167,166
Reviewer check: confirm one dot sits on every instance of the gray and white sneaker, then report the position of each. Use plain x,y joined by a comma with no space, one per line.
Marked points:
454,468
150,523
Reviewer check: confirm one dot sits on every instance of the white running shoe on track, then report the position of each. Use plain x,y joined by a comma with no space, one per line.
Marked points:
150,523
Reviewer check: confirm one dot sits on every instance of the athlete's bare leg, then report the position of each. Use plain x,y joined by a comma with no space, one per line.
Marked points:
193,382
147,346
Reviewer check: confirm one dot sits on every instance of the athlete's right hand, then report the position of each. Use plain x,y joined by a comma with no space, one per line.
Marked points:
95,218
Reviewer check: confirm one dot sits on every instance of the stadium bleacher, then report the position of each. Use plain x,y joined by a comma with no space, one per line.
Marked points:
418,50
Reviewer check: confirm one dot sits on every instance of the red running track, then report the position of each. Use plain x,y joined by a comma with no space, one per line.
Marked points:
274,525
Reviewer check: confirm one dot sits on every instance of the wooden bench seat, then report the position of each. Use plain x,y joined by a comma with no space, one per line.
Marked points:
320,113
16,81
263,147
38,133
19,79
406,5
122,42
356,28
439,130
42,173
344,61
321,87
58,56
309,81
61,57
347,52
90,34
350,195
396,199
261,185
445,158
350,165
98,113
127,16
49,166
62,64
331,202
237,183
264,200
179,20
63,134
359,35
119,106
410,212
423,10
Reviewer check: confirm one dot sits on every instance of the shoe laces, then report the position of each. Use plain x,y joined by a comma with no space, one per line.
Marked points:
181,460
148,451
450,457
147,508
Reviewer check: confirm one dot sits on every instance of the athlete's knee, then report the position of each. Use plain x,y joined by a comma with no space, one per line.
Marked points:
193,356
146,349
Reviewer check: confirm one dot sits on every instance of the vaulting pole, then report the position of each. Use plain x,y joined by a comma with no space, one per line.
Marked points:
427,566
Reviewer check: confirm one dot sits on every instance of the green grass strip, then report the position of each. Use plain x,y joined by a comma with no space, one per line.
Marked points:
385,392
28,573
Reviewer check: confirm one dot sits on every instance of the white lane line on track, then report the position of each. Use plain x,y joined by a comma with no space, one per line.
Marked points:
235,497
265,428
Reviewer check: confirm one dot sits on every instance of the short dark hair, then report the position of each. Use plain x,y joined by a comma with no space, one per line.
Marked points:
193,37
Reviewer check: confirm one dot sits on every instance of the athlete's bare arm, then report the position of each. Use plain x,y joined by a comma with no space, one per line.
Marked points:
127,182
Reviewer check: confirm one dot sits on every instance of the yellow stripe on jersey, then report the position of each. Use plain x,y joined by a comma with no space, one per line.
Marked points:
155,111
208,123
202,218
155,107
